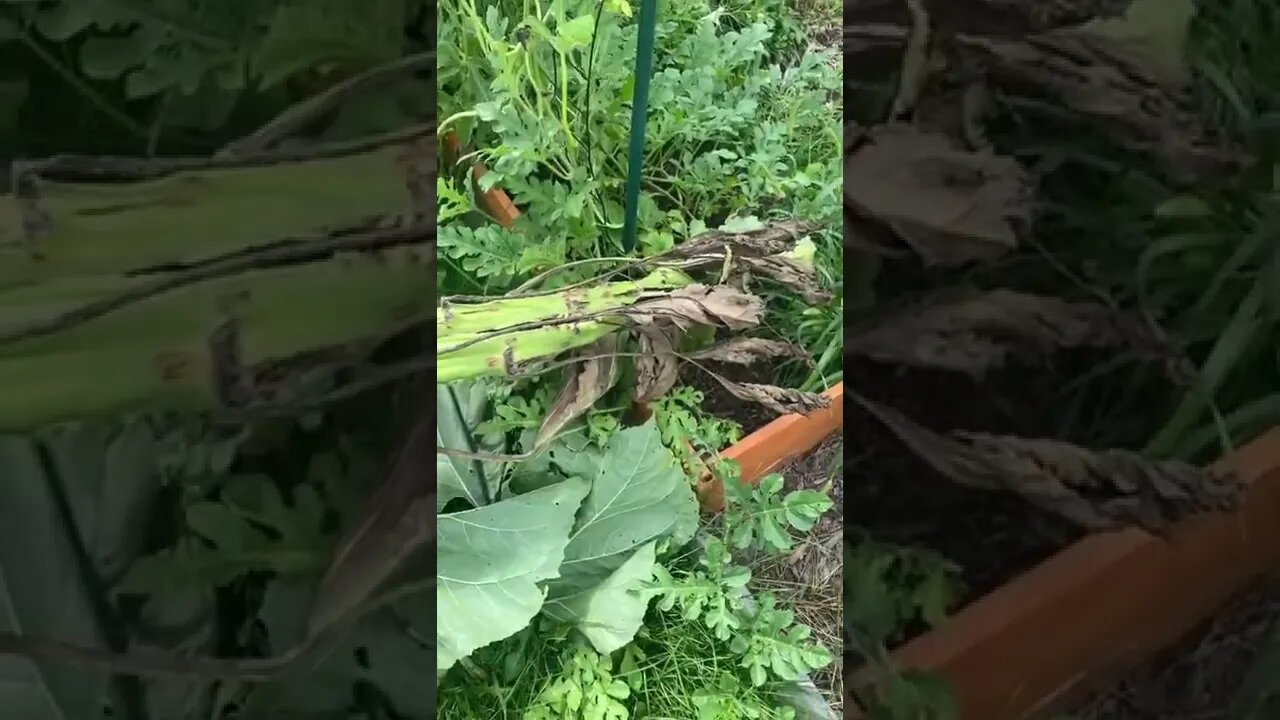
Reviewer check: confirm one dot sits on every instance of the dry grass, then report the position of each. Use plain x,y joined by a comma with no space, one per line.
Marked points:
809,580
1202,678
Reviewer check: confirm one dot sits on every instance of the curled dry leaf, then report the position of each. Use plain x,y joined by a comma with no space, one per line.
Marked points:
585,383
783,401
790,273
715,305
656,366
764,252
772,239
949,205
1098,490
974,332
745,351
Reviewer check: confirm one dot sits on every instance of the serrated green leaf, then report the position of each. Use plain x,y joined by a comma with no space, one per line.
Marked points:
489,562
804,508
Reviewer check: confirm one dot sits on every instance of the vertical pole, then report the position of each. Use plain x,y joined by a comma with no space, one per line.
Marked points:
646,27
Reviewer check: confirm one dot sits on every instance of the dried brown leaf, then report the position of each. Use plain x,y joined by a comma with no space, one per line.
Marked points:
975,332
783,401
399,520
949,205
585,384
789,273
1100,73
656,366
715,305
772,239
1098,490
745,351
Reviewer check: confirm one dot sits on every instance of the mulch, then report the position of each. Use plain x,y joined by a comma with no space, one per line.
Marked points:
1202,678
809,579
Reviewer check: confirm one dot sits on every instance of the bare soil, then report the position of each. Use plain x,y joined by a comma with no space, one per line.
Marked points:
900,499
723,404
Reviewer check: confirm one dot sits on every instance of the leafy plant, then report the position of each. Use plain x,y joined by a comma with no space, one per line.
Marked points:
540,98
586,690
580,544
887,589
760,517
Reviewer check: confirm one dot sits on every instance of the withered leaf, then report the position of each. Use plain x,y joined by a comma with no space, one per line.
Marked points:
745,351
771,239
656,366
974,332
1097,490
585,384
1081,70
791,274
783,401
715,305
949,205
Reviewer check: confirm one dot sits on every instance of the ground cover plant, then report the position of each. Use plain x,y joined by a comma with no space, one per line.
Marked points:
577,578
1067,209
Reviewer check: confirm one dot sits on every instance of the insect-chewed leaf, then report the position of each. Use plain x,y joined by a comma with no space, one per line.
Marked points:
585,384
638,495
1098,490
490,561
610,613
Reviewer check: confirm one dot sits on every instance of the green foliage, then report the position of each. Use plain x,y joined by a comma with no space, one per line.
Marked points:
724,701
736,126
760,517
626,550
710,593
774,645
888,588
585,690
249,529
913,695
182,73
686,428
581,542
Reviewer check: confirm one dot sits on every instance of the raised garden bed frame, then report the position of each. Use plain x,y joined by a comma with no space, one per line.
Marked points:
1102,607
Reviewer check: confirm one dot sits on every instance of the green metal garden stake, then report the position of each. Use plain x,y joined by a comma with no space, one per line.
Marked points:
646,26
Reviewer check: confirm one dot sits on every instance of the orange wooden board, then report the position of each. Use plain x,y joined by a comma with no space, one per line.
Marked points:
1103,606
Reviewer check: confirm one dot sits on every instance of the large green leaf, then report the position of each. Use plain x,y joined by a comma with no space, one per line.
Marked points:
638,495
460,407
101,479
489,562
611,613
